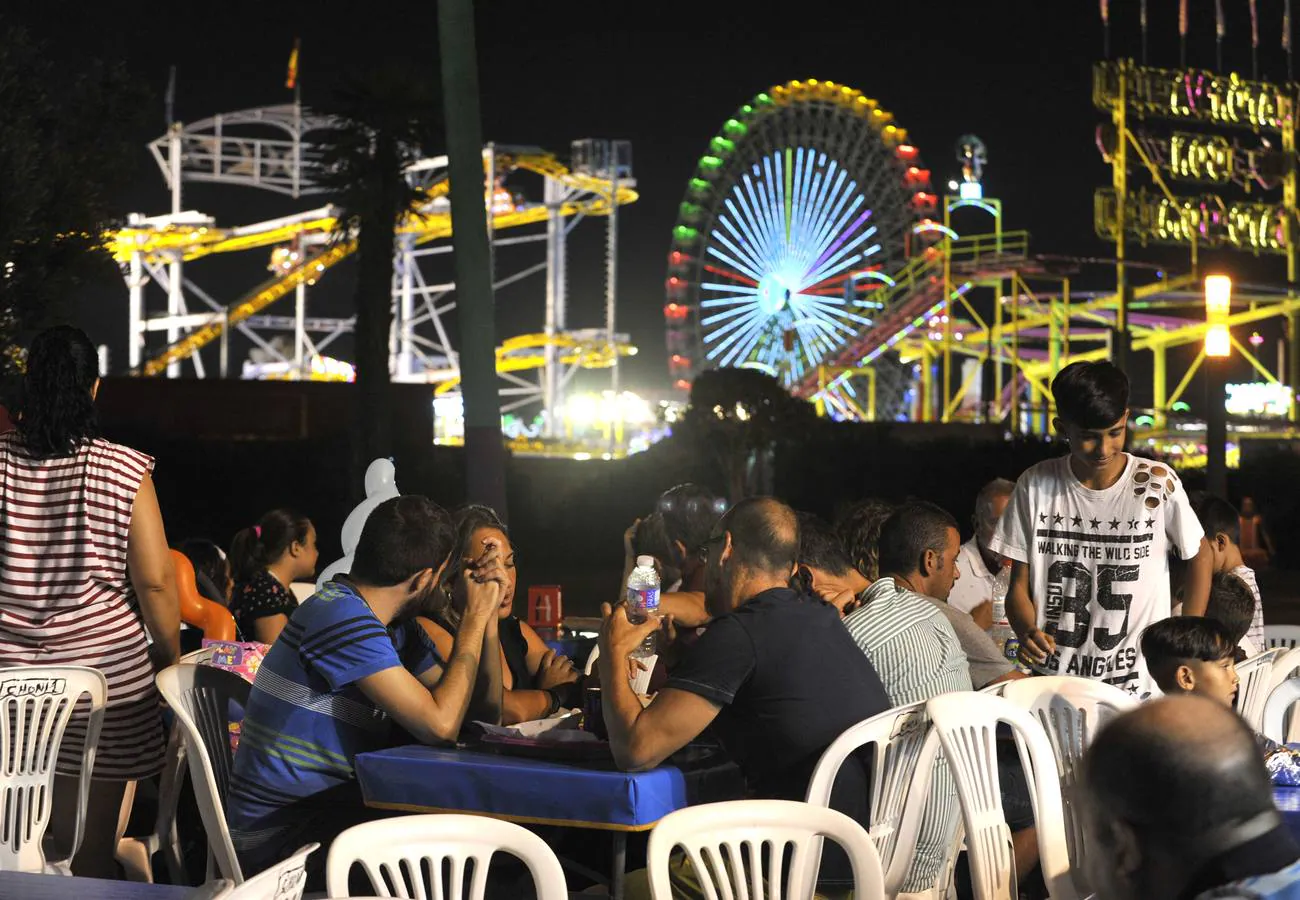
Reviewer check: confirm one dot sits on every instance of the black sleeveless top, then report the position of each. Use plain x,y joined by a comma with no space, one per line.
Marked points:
514,646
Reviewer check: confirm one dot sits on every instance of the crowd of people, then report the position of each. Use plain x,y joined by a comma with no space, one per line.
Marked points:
777,629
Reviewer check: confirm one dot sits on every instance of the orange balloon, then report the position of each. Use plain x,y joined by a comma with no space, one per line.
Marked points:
214,619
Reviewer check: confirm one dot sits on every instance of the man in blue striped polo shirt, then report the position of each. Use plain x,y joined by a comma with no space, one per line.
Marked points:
348,665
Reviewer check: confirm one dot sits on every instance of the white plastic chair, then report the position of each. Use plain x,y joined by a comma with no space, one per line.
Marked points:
1285,667
996,690
1279,704
591,660
1285,636
395,852
1256,675
738,849
1071,710
283,881
967,727
36,705
200,696
902,761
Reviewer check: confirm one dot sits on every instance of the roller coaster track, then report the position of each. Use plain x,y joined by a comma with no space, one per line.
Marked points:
427,224
917,293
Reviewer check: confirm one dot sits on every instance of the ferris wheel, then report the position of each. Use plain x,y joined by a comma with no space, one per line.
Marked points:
802,207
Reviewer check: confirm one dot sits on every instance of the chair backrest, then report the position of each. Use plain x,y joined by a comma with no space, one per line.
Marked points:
1071,710
1256,676
282,881
998,689
1285,636
900,739
967,726
398,854
591,660
201,697
739,849
36,705
1280,701
1285,667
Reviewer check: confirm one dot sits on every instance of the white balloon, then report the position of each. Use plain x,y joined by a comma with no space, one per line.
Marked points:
381,478
338,567
356,521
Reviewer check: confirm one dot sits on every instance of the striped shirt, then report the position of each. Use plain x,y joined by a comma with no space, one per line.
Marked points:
65,594
307,719
917,655
1255,633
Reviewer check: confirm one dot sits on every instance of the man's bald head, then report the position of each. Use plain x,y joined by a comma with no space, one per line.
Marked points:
1183,763
764,536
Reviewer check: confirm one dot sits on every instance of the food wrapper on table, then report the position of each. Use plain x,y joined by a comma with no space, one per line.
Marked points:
562,727
242,658
1283,765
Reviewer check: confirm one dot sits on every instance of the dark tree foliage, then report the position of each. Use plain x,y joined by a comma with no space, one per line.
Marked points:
388,118
736,416
68,145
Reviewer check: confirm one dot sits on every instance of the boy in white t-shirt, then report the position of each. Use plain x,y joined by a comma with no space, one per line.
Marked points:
1088,534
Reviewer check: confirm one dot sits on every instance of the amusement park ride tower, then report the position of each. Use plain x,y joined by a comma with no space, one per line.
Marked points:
278,149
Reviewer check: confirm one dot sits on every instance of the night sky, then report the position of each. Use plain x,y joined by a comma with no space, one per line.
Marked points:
664,76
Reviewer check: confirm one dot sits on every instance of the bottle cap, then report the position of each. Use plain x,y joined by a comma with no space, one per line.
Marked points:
645,562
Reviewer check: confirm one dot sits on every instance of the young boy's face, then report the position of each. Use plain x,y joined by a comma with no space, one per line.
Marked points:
1095,449
1216,679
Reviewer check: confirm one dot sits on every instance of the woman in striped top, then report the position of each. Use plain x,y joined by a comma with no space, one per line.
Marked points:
84,570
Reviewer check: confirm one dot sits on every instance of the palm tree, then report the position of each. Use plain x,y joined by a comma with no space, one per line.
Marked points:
388,117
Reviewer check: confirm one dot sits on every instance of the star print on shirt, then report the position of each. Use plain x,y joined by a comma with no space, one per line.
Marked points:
1133,523
1114,524
1057,518
1076,521
1095,523
1042,517
1150,522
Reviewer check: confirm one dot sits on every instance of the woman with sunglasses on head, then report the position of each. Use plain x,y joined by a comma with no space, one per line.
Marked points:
537,680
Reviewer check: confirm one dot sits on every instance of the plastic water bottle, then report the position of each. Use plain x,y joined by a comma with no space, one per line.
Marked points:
1001,632
643,601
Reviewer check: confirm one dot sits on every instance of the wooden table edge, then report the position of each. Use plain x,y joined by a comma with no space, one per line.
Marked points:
522,820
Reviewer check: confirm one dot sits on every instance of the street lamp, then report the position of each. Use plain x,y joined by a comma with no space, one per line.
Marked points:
1218,348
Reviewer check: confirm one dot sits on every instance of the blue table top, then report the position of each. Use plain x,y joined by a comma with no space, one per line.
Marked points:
25,886
426,779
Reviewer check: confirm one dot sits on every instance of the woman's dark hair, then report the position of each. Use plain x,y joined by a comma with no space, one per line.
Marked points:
209,562
1091,395
859,529
58,411
1170,643
253,549
468,519
651,539
1231,602
401,538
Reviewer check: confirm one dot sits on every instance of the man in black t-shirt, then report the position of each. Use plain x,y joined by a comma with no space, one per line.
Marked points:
776,674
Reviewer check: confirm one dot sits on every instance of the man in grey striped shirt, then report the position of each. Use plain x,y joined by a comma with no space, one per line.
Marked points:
915,651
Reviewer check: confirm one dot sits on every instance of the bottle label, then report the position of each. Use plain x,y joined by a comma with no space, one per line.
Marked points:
640,602
648,599
1011,649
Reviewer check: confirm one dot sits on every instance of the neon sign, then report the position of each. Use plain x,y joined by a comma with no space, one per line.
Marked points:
1208,219
1258,398
1193,94
1201,157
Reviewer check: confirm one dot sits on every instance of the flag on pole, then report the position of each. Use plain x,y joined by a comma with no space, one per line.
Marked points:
1254,24
1105,12
1286,26
1218,19
1182,18
1142,15
291,81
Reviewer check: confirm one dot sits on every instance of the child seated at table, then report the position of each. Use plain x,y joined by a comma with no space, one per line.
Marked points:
1194,655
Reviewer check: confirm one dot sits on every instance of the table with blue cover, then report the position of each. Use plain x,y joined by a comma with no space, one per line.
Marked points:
529,791
1288,803
27,886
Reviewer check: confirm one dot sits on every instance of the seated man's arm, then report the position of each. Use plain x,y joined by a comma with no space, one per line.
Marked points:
686,607
642,738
